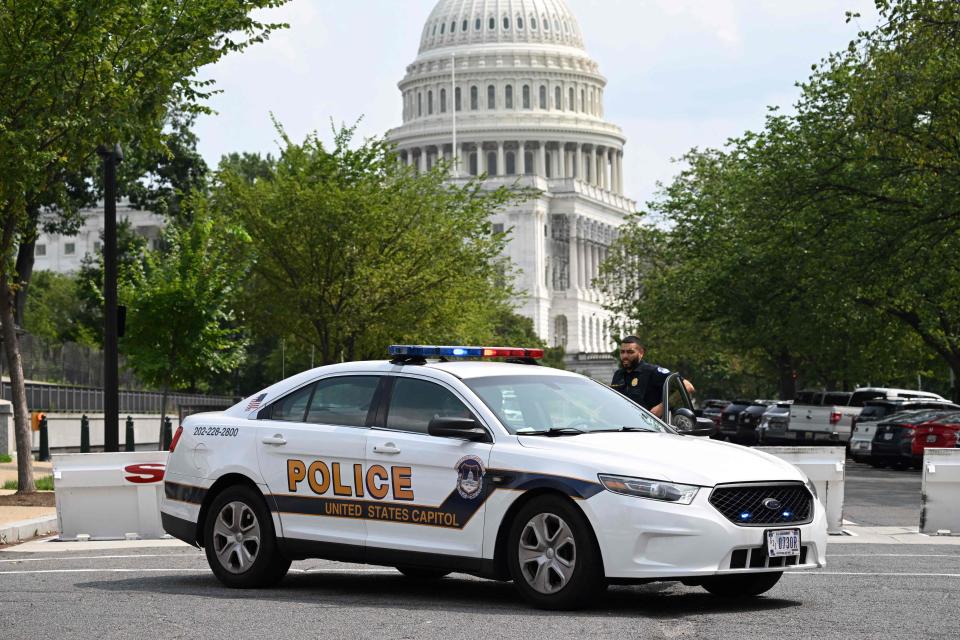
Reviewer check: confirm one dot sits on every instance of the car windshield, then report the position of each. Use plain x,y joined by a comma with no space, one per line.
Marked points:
536,404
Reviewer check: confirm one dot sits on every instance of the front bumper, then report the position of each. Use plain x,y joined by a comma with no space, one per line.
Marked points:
648,539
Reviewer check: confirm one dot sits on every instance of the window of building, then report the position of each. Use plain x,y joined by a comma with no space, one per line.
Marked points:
464,26
456,99
443,100
491,97
434,30
443,28
583,100
526,96
492,164
414,403
565,26
543,97
546,23
69,248
453,26
477,24
519,23
473,164
430,103
548,170
560,331
492,23
497,228
558,99
506,23
572,106
96,246
528,163
533,22
474,99
556,24
342,401
40,250
511,162
419,104
508,97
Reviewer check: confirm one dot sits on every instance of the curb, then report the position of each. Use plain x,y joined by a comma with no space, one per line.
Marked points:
24,530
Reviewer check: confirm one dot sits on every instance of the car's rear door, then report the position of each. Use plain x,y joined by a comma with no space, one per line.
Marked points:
427,493
311,448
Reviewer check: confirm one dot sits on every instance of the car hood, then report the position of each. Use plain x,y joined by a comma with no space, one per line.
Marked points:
665,456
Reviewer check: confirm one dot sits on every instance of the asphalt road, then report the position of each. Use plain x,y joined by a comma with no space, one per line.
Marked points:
867,591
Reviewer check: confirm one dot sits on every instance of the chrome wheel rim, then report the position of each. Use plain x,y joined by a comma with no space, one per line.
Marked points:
236,537
547,553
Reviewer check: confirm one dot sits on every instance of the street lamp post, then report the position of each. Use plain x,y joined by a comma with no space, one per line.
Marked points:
111,387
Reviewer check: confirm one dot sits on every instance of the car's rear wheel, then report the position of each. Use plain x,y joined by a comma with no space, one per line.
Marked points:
421,573
552,556
240,542
745,585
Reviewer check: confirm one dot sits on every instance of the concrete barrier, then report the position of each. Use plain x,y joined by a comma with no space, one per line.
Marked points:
940,507
825,467
109,496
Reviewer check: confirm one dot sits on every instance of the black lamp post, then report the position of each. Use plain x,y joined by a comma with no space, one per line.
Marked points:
111,388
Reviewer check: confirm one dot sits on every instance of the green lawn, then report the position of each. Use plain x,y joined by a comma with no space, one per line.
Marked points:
44,483
5,457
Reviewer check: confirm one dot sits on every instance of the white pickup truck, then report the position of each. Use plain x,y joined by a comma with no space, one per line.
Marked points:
828,416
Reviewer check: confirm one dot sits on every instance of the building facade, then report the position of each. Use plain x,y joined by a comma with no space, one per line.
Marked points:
506,88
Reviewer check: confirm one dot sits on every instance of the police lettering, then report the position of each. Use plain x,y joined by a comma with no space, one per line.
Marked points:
376,481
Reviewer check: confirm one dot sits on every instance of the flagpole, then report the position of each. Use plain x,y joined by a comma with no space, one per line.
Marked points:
453,96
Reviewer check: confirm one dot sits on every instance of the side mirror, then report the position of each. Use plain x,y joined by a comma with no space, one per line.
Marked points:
683,420
451,427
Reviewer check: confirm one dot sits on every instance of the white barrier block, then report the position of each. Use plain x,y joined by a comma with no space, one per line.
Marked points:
108,496
825,467
940,509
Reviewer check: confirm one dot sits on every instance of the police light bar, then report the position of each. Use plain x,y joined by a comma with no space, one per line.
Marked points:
426,351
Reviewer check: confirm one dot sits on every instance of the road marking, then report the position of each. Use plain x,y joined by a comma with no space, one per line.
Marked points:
857,573
145,555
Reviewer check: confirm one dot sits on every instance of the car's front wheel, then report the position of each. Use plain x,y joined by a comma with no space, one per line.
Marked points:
552,557
741,586
239,540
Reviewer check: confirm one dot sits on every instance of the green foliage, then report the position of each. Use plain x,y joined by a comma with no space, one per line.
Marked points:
355,251
43,483
823,249
55,310
5,457
180,324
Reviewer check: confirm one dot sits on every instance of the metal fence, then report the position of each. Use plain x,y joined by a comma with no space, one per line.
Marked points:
67,398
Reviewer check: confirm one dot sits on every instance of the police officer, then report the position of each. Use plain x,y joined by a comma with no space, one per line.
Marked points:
641,381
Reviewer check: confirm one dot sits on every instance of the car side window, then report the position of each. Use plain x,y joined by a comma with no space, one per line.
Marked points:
343,400
414,403
292,407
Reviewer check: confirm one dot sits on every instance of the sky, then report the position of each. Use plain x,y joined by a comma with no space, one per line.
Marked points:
680,73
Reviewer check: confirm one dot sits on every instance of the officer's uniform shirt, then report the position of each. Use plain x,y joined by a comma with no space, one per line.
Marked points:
642,384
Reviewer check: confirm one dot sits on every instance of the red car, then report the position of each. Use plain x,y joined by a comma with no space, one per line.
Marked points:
943,432
894,436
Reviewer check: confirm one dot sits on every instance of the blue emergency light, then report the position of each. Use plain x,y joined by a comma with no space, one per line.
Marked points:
430,351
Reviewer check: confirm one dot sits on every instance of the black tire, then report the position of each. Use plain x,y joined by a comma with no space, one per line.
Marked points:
242,509
421,573
573,577
747,585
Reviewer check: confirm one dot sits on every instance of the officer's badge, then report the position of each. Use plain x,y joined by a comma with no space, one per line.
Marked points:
633,382
469,476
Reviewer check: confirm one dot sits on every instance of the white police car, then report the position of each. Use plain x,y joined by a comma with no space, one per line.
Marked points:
502,470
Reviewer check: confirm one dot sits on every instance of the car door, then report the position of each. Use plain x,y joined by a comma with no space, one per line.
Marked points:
311,448
429,491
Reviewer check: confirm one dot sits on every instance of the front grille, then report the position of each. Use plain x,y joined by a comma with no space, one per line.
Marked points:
758,558
743,504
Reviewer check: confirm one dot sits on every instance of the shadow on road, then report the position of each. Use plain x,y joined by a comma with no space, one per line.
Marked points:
454,593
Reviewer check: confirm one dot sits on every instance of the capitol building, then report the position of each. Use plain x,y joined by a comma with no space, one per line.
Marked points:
507,88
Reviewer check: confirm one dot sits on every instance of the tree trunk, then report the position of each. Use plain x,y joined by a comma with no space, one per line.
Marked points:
787,383
11,346
24,267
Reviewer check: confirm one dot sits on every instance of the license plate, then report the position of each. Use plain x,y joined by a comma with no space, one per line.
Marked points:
931,438
888,436
731,418
783,543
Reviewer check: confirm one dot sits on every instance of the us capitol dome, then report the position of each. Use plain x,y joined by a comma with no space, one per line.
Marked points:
515,82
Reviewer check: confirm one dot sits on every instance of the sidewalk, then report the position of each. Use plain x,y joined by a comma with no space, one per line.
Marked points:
23,523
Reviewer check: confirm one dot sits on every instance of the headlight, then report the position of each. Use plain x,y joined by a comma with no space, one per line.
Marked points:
813,488
651,489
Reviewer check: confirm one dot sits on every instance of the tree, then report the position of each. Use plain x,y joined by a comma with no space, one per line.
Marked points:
79,73
354,250
181,325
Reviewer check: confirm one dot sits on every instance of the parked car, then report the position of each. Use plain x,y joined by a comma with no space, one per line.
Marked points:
943,432
821,417
865,424
712,409
863,394
893,440
749,420
774,423
729,419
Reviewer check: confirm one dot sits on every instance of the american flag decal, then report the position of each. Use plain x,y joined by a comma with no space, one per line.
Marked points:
255,402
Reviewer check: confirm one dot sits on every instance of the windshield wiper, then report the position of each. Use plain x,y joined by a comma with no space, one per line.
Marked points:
643,429
554,432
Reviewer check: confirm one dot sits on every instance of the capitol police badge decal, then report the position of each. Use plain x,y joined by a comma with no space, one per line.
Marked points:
469,476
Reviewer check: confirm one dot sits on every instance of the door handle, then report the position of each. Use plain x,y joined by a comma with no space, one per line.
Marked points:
389,449
276,439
